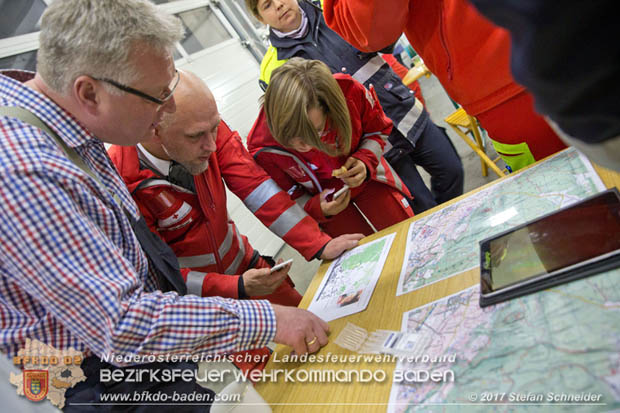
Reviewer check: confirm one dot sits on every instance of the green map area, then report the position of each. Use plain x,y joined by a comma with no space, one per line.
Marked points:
446,242
368,255
562,341
353,270
351,279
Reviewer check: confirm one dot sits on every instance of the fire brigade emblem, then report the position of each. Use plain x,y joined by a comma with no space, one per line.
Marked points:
36,384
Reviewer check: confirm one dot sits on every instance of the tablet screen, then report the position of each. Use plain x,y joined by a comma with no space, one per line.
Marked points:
582,232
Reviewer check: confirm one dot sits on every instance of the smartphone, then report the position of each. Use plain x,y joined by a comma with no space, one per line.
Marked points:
577,241
338,193
280,266
341,191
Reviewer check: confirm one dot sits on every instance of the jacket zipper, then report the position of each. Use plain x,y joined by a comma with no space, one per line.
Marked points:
443,41
316,34
209,201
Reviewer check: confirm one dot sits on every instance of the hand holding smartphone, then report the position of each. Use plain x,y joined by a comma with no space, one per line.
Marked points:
341,191
278,267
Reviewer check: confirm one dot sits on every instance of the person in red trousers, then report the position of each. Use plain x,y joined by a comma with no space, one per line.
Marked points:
468,54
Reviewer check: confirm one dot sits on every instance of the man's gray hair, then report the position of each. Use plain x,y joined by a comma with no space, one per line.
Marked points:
97,38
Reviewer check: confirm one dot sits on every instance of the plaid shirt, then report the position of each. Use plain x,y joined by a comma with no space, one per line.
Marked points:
72,273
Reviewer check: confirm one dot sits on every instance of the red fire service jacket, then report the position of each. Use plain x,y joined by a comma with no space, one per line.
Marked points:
305,175
210,249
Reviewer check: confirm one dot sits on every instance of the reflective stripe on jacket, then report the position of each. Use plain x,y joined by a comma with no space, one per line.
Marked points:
197,226
305,175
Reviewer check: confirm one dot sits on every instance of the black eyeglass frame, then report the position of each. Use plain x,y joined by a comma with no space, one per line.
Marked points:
143,95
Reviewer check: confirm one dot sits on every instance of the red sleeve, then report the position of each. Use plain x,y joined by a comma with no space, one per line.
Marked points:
311,206
375,125
215,284
369,25
264,196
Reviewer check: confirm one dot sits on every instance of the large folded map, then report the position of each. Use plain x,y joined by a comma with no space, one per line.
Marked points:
446,242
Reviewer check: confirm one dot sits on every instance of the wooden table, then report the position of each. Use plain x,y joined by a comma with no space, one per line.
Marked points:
383,312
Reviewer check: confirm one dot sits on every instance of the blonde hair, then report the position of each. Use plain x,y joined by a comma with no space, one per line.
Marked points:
296,87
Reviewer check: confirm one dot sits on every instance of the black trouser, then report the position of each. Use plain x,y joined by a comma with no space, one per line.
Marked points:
141,395
435,153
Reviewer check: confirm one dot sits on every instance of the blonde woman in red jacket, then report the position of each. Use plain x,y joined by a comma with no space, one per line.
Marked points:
468,54
312,125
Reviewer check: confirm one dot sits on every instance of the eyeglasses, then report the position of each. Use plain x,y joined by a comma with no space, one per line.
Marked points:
159,101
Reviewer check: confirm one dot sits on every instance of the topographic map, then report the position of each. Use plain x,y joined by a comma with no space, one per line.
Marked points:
446,242
350,280
561,341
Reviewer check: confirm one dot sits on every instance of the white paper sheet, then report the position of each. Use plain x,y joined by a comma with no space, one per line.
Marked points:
350,280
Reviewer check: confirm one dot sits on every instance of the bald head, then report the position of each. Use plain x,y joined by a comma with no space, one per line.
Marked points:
191,91
189,134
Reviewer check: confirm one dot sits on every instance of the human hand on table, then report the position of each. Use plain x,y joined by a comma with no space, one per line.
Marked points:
340,244
300,329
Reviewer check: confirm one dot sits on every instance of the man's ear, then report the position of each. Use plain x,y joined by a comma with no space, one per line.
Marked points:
155,144
87,92
156,138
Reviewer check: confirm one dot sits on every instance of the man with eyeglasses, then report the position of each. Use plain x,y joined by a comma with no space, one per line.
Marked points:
78,266
166,95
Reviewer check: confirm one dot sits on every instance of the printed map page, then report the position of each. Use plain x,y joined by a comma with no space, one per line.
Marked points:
350,280
446,242
565,340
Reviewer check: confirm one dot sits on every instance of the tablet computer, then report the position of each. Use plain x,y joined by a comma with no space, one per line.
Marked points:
574,242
